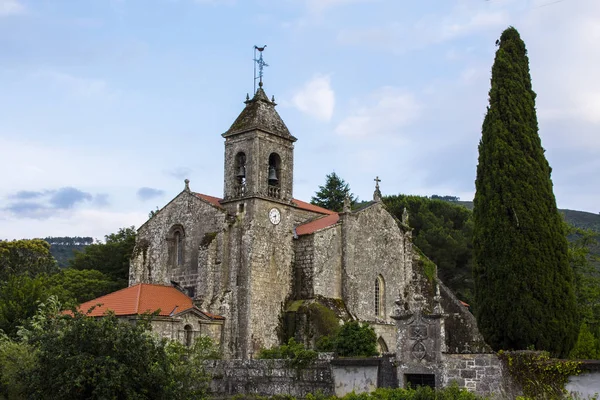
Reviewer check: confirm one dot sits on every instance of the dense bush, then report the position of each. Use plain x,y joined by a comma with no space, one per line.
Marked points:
353,339
75,357
298,355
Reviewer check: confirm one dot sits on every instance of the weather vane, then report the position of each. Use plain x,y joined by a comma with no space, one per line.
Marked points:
261,64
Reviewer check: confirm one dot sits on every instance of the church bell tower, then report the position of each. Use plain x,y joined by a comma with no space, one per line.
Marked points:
259,153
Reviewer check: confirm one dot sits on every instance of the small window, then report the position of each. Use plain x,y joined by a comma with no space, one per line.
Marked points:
415,380
178,248
379,297
189,335
176,245
191,291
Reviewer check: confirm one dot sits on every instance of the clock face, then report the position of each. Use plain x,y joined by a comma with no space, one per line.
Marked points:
274,216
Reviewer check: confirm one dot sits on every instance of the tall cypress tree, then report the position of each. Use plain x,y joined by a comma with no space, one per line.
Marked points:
524,284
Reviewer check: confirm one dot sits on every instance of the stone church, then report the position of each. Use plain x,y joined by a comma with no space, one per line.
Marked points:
251,254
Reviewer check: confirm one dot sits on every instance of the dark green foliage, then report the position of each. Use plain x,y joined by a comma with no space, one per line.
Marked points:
587,346
524,284
62,248
79,357
420,393
298,355
443,231
111,258
332,195
587,276
538,375
74,286
353,339
26,257
19,299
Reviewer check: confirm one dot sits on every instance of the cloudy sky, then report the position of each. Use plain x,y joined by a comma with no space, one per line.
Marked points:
107,105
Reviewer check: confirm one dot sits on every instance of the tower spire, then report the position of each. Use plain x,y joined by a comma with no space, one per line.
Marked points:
261,64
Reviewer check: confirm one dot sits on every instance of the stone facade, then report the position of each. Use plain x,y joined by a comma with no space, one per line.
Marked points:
258,257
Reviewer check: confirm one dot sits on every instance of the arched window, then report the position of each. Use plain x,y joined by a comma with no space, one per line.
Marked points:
176,244
240,174
379,297
189,335
274,175
382,345
178,248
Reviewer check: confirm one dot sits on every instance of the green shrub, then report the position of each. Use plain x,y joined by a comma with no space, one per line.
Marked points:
352,340
298,355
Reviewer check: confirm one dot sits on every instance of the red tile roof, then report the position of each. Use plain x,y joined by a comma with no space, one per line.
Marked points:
317,224
141,298
311,207
211,199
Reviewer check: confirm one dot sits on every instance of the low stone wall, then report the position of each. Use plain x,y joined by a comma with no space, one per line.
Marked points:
483,374
269,377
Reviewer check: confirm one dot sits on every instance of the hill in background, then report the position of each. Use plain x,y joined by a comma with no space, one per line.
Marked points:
62,248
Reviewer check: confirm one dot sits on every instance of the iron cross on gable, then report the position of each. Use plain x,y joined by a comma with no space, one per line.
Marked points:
377,180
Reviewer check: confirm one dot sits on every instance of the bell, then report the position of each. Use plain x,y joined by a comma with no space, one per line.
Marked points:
241,172
272,174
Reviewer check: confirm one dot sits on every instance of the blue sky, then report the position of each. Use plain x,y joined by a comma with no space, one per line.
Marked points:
107,105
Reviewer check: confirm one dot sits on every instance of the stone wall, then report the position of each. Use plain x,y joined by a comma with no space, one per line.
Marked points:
318,264
152,261
483,374
373,245
269,377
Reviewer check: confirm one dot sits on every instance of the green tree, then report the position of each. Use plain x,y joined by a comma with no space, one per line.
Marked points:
332,195
81,357
17,360
30,257
353,339
78,286
20,296
523,281
111,257
587,346
587,276
444,232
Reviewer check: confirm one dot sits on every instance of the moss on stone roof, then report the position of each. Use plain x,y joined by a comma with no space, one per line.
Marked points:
260,113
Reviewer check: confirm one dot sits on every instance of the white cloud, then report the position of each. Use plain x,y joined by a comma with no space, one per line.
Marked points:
391,110
316,98
11,7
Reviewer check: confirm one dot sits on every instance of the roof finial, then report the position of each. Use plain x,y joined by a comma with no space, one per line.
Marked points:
187,185
347,204
377,192
261,64
405,216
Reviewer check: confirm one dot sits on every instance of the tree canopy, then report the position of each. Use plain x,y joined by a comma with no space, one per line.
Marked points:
110,258
28,256
443,231
57,355
524,283
332,195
